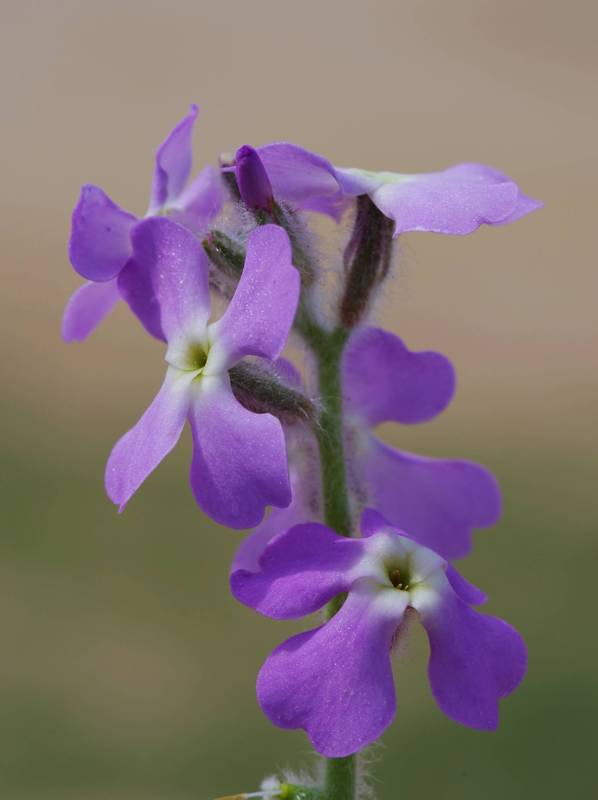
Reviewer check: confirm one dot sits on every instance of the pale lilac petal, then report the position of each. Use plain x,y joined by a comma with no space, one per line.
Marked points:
173,163
239,458
383,380
297,175
464,589
261,312
278,520
336,682
100,243
140,450
438,502
87,307
166,281
456,201
483,173
474,661
300,570
200,202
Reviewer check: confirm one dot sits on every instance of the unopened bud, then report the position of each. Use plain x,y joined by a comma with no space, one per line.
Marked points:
260,390
367,259
253,182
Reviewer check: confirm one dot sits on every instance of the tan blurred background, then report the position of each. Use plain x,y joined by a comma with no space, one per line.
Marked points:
126,669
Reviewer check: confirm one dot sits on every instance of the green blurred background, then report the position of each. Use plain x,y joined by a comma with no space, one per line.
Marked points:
127,671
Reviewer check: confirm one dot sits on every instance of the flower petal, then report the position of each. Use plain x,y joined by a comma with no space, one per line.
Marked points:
300,570
173,163
437,501
239,458
249,552
384,380
474,661
140,450
278,520
200,202
336,681
456,201
298,175
469,593
100,243
87,307
304,476
166,281
261,312
136,289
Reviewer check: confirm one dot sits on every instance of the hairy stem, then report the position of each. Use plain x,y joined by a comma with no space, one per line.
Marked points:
328,351
339,783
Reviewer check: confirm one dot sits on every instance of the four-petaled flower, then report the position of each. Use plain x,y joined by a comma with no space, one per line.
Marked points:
239,458
100,243
336,681
456,200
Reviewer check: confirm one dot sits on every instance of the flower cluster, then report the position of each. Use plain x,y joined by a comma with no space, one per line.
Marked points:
239,240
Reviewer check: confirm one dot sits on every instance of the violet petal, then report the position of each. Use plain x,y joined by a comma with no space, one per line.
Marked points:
298,175
336,681
142,448
474,661
173,163
100,244
261,312
438,502
300,570
201,202
87,307
384,380
167,276
239,458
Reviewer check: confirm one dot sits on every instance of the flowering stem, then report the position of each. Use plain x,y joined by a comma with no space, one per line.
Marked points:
328,348
339,782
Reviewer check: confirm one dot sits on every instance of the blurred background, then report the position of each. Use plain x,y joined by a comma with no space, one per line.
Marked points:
127,671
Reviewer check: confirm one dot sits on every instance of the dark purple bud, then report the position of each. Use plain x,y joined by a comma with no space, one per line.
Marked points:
252,180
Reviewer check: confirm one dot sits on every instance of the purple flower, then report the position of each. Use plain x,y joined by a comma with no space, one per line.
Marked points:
336,681
239,460
455,201
438,501
100,243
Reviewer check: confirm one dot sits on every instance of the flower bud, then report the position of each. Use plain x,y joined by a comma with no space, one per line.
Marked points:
261,391
367,260
252,180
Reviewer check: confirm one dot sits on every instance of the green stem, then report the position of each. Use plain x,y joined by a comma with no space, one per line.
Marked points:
340,777
328,350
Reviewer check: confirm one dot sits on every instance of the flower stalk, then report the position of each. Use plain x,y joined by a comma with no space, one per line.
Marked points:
340,773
